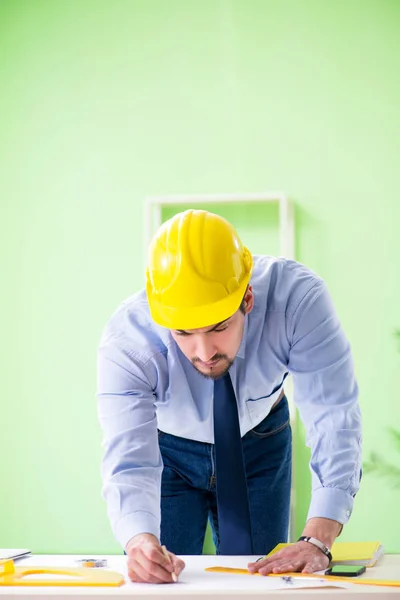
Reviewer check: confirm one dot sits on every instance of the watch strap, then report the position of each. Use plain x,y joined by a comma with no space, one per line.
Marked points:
318,544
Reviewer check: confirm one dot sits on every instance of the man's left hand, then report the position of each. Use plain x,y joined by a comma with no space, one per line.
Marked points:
300,556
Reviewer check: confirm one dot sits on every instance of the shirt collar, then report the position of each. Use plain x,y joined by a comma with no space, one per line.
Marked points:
242,348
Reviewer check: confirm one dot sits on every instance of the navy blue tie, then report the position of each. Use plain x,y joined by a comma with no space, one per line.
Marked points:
232,500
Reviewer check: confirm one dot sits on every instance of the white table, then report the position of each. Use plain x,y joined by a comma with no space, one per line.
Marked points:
195,582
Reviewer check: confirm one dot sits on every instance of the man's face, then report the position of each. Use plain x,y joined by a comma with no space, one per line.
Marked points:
213,349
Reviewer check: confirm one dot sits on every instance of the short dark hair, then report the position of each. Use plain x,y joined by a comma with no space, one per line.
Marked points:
242,306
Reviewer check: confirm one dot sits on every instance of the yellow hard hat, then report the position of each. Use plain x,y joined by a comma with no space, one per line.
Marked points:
198,271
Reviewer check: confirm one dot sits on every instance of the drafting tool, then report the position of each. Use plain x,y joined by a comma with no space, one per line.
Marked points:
10,575
92,563
356,580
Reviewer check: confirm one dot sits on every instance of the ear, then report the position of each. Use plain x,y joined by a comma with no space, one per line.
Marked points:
249,299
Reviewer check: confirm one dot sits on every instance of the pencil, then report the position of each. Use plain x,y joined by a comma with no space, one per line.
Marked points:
165,552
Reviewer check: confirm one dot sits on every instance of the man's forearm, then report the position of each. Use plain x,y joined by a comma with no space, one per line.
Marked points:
325,530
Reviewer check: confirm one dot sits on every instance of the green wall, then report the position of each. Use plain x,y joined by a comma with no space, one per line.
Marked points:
104,103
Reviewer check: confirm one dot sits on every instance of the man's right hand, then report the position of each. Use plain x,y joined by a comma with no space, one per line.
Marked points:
147,563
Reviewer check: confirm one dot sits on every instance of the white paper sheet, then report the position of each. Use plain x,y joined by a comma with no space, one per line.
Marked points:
194,578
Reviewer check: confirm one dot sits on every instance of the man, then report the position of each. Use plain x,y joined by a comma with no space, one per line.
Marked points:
195,420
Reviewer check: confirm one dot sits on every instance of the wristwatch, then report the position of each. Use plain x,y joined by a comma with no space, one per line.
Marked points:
317,543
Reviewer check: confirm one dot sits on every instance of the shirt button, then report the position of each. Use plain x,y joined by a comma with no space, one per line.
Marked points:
348,513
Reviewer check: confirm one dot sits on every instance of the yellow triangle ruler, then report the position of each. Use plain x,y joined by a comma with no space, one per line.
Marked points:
10,575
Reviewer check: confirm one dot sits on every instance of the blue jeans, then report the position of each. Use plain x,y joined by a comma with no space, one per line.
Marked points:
188,488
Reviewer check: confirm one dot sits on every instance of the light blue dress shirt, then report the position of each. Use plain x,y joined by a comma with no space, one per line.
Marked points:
145,382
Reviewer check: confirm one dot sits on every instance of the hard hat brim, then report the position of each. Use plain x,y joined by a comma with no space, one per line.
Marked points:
196,317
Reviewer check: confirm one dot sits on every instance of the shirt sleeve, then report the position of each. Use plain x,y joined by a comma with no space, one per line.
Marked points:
326,394
132,464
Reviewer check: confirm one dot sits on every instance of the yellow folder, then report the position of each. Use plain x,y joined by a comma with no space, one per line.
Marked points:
361,553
